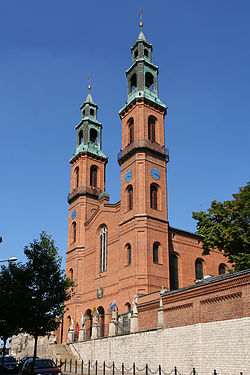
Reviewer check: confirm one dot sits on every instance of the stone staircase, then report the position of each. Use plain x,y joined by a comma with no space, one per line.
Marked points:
63,352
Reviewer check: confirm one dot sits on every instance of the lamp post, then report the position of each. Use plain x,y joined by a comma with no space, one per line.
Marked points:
12,259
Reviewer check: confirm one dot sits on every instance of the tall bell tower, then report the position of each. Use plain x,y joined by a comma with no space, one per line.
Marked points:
87,173
143,158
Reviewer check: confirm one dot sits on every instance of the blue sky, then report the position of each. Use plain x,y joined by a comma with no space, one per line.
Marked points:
47,50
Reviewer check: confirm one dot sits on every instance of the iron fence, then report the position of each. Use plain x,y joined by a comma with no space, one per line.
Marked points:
104,368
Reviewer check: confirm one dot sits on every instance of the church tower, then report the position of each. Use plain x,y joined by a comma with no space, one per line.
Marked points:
87,173
143,158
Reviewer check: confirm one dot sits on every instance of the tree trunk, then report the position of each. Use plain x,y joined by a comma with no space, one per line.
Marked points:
2,362
34,355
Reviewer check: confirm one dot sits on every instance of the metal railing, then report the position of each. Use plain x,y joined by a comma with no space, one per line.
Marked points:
105,368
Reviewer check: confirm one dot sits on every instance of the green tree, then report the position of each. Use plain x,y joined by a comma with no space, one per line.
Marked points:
225,226
13,283
48,288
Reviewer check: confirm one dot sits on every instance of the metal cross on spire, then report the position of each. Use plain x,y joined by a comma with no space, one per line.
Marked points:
89,87
140,15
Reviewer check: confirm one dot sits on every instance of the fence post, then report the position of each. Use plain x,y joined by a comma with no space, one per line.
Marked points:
122,368
146,369
89,367
175,370
133,368
96,367
194,372
113,368
103,367
82,367
70,363
159,369
76,366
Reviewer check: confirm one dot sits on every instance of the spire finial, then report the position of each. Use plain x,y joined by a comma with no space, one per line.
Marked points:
89,87
140,15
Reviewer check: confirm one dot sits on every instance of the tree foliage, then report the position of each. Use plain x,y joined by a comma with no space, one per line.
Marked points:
225,226
33,294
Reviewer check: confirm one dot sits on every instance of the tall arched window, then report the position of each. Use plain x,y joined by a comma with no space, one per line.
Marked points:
128,254
174,272
71,275
93,176
74,231
93,135
149,81
151,128
80,137
103,249
153,196
130,197
222,269
131,130
133,82
156,252
77,176
198,269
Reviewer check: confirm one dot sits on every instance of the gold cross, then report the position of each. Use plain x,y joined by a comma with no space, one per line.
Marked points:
140,15
89,87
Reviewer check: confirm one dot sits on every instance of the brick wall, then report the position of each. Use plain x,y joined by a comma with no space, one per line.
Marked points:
221,345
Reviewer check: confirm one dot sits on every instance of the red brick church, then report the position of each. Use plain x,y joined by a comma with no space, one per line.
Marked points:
117,251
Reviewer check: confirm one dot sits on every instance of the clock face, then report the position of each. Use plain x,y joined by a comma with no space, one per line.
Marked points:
155,173
99,293
128,175
73,215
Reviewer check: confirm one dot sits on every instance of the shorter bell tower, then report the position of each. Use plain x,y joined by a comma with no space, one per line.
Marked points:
87,173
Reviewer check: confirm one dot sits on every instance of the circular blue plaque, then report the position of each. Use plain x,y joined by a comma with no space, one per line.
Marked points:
73,215
155,173
128,175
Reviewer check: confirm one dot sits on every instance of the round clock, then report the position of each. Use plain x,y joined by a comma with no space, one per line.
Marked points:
155,173
73,215
128,175
99,293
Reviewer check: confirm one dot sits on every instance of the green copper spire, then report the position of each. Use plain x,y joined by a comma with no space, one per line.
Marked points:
142,76
89,130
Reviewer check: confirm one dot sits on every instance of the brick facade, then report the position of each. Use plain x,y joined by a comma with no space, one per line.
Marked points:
123,249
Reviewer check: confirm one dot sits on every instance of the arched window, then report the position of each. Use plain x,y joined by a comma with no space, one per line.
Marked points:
93,176
145,52
77,176
71,274
74,231
92,112
103,249
133,82
128,254
93,136
128,306
131,130
80,137
222,269
151,128
156,252
153,196
198,269
174,272
130,197
149,81
136,54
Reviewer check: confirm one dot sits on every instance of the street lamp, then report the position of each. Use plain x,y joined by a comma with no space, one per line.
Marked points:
12,259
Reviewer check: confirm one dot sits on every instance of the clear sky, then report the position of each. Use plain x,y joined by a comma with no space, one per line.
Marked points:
47,50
